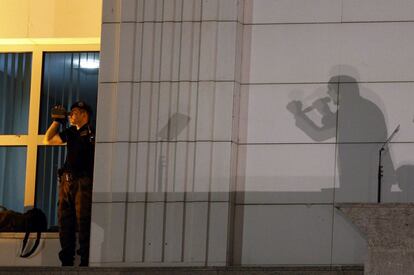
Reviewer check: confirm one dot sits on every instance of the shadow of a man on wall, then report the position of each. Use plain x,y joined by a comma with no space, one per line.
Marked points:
359,127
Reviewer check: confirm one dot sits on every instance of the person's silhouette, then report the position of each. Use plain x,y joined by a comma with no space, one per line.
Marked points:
359,127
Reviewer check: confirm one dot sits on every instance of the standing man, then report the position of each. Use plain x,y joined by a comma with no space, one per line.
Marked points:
75,179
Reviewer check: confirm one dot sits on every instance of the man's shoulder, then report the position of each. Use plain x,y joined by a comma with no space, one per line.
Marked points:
70,131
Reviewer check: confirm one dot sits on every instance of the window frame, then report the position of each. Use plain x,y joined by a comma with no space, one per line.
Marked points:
32,140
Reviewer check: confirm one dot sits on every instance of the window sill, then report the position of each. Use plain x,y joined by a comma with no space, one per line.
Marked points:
20,235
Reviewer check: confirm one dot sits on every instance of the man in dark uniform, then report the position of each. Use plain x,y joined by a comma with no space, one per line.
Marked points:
75,179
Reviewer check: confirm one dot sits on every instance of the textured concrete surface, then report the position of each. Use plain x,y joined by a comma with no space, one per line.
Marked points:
389,230
281,270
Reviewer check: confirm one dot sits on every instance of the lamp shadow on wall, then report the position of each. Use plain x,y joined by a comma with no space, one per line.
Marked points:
358,124
175,125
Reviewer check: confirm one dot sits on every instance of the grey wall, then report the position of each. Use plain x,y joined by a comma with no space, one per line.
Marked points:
296,165
201,98
166,151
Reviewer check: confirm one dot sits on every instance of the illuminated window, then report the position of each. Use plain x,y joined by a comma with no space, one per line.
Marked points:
15,73
15,70
66,78
33,78
12,163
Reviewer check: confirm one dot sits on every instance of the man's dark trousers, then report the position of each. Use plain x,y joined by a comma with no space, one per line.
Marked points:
74,215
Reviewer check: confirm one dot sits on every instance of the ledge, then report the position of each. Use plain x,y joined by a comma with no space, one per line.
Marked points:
388,229
20,235
248,270
374,205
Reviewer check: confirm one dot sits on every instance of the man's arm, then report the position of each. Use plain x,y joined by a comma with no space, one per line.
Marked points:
315,132
303,122
52,136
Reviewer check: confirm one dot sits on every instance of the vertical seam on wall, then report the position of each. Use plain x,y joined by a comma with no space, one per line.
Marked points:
234,157
155,90
178,95
139,112
116,82
212,134
144,241
151,114
197,94
165,186
158,114
197,97
131,89
168,141
164,222
186,177
334,179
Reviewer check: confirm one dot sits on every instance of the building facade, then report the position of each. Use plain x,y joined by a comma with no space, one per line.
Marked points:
228,129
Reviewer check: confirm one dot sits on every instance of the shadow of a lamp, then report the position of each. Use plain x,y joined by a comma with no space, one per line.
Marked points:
175,125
